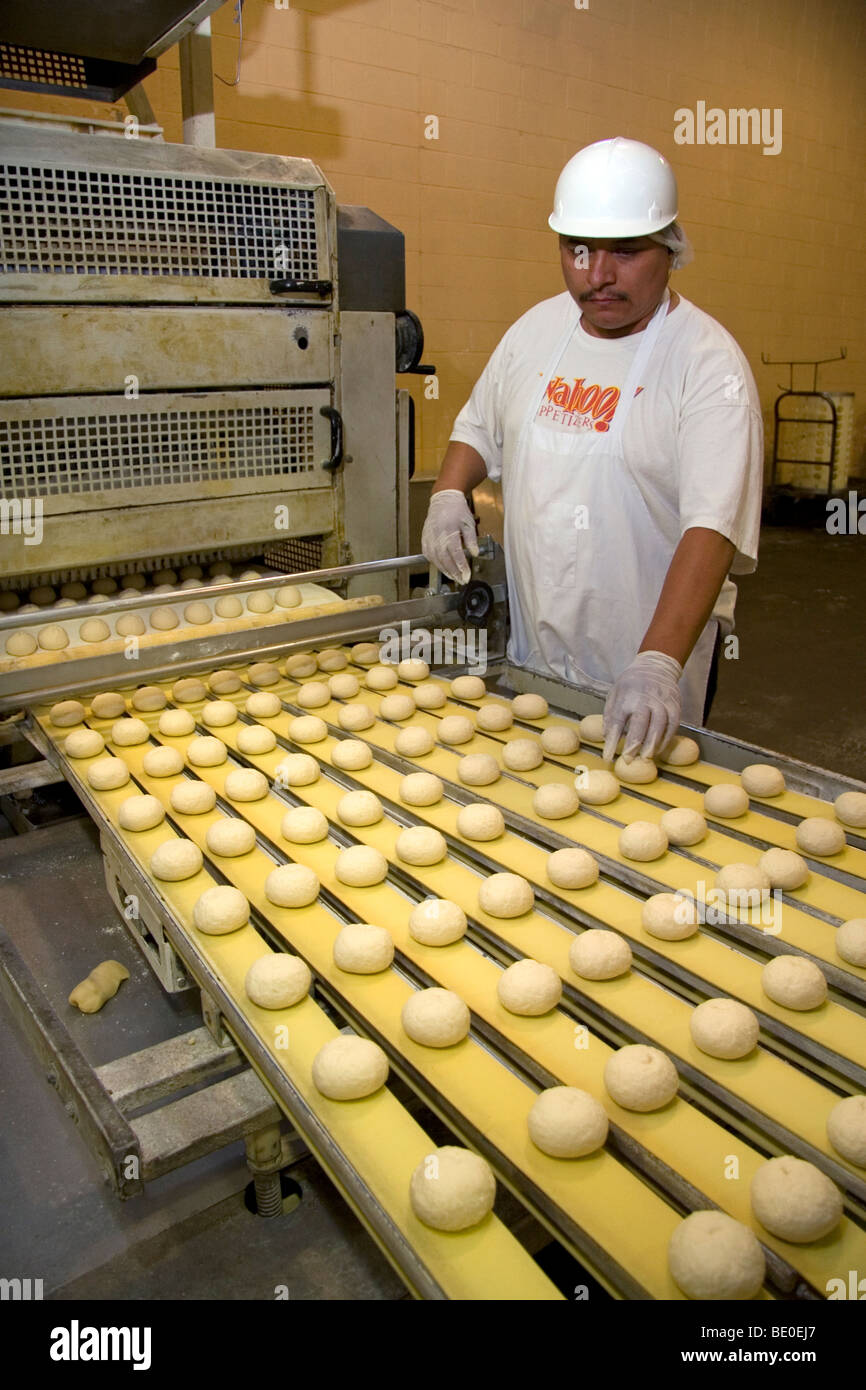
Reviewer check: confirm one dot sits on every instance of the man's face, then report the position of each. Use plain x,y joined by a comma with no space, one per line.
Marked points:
618,284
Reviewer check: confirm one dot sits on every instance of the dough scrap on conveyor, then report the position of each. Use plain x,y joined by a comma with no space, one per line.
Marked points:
762,779
278,981
794,982
452,1189
572,868
292,885
522,754
221,910
100,985
506,895
794,1200
712,1257
437,922
108,773
351,754
176,860
567,1123
363,949
348,1068
640,1078
435,1017
815,835
683,827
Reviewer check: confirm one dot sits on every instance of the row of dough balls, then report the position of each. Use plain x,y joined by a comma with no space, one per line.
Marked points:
124,586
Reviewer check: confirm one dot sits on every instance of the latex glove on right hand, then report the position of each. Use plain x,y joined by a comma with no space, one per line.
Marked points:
644,703
449,527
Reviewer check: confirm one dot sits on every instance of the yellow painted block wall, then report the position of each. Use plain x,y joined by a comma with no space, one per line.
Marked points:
518,86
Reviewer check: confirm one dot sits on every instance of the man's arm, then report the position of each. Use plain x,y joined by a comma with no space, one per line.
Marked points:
462,468
695,575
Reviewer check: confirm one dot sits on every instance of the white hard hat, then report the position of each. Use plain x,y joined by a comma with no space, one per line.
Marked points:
614,188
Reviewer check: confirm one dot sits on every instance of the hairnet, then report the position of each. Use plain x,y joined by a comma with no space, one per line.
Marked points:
676,241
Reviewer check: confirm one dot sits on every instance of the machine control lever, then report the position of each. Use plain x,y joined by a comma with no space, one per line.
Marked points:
336,419
301,286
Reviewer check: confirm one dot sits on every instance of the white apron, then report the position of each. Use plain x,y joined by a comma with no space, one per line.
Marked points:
584,558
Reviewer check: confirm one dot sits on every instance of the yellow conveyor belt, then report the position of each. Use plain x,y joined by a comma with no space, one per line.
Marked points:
485,1263
683,1138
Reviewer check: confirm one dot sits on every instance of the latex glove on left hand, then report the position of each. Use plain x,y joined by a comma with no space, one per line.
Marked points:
644,703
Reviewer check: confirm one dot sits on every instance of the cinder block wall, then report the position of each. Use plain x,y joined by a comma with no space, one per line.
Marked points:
518,86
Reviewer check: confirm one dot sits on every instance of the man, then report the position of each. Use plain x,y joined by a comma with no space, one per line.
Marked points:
625,426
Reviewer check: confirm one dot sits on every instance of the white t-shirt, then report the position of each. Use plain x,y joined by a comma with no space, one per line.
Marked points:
693,439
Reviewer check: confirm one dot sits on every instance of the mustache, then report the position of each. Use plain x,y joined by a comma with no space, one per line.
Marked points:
590,298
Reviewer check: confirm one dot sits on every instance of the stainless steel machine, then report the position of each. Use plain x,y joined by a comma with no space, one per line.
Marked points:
159,264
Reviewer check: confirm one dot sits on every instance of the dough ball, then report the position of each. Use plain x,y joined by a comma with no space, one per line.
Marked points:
304,825
592,728
188,690
794,981
362,949
478,821
130,625
421,844
567,1123
478,770
456,728
435,1017
572,868
20,644
228,606
278,981
307,728
396,707
683,827
109,704
263,672
414,743
347,1068
301,665
140,813
359,808
53,637
360,866
230,837
669,916
351,755
724,1028
245,784
529,988
599,955
353,718
428,695
506,895
365,653
31,607
714,1258
107,773
761,779
313,694
254,740
555,801
10,601
220,569
784,868
94,630
452,1189
67,713
851,940
413,669
291,885
529,706
522,754
83,743
680,752
217,714
260,601
149,698
344,686
263,704
197,614
175,723
332,659
221,910
132,581
190,583
176,860
794,1200
421,789
126,733
437,922
635,770
560,739
846,1129
163,576
205,751
288,596
745,886
192,798
381,678
468,688
640,1078
163,619
642,841
162,762
42,595
815,835
596,787
850,808
726,800
494,719
186,573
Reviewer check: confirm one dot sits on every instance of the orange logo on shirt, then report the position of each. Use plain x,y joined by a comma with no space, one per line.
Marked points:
595,404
